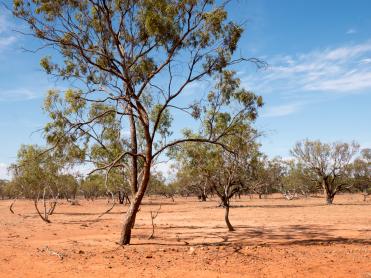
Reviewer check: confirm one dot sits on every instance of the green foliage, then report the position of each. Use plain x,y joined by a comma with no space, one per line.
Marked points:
132,61
93,187
360,171
36,171
266,176
298,180
223,169
157,185
327,164
3,189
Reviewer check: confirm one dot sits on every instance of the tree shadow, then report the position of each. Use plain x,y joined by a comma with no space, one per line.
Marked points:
252,236
278,206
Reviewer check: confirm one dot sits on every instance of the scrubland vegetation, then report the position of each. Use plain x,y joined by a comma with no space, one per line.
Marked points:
132,62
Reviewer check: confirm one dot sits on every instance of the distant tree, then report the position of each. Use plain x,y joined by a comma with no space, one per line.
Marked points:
266,176
327,163
133,59
190,182
93,187
158,186
361,172
68,186
3,184
35,175
225,172
297,180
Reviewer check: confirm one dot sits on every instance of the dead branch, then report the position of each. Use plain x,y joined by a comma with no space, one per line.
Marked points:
12,204
153,217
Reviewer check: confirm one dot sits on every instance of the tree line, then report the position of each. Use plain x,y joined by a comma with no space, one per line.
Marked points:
203,172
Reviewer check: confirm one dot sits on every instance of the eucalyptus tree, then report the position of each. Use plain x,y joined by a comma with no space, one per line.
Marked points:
93,186
266,175
327,163
36,176
297,180
134,60
190,182
225,172
68,186
157,184
3,185
361,172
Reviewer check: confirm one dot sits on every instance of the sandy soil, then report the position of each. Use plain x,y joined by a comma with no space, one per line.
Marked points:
273,238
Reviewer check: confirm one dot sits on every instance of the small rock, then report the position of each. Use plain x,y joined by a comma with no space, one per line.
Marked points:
191,251
148,256
81,252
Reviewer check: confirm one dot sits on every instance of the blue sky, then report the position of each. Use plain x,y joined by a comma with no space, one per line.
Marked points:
317,85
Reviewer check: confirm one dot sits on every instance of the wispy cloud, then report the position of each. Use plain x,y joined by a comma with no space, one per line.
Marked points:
281,110
20,94
7,37
342,70
6,41
351,31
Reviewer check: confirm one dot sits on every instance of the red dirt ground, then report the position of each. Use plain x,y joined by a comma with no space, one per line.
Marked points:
273,238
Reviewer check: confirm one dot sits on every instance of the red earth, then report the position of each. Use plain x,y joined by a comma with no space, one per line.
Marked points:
274,237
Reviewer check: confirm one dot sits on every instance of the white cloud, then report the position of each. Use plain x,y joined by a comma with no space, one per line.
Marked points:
344,70
366,61
4,171
20,94
6,41
351,31
166,168
7,36
280,110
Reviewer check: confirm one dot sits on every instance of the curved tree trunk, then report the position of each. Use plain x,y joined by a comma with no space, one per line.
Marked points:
226,218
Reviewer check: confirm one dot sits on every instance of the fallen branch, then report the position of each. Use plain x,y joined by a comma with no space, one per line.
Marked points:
52,252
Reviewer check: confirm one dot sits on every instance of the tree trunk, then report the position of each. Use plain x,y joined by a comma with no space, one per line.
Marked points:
328,192
134,150
329,199
130,219
365,194
226,218
134,207
121,197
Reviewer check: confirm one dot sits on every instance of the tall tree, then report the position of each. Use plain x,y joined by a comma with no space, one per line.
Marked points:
328,163
132,60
